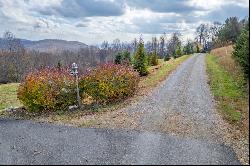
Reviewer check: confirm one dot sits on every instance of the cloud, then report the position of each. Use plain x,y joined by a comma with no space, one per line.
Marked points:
92,21
227,10
81,25
85,8
163,6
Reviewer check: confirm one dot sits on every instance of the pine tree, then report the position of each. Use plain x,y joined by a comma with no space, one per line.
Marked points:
178,52
197,49
118,58
140,59
167,57
154,59
123,58
241,50
126,57
150,54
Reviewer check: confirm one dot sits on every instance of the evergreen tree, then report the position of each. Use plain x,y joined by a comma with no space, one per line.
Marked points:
59,65
230,30
241,50
150,55
188,48
126,57
178,52
123,57
118,58
167,57
154,59
197,49
140,59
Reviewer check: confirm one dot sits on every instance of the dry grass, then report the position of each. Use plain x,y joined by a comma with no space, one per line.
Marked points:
160,72
224,55
8,97
223,72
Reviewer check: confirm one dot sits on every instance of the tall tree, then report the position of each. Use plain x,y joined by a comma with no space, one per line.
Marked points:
241,50
230,30
173,44
214,30
104,51
203,35
134,45
140,59
14,58
162,45
188,48
200,31
116,45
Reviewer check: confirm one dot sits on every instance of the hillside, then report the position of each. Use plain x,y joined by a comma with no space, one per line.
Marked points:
51,45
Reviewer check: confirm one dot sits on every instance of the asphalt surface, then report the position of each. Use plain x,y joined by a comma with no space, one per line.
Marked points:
180,113
25,142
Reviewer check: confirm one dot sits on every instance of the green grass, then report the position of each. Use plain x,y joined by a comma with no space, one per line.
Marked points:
161,73
8,97
227,90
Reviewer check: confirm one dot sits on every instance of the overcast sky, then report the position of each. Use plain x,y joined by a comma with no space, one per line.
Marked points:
92,21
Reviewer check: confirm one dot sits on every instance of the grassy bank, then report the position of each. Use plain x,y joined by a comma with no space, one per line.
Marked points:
110,114
159,73
8,97
228,87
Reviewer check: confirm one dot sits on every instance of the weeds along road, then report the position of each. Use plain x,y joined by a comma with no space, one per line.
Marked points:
181,110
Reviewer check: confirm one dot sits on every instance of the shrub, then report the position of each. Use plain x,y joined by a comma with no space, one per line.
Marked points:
178,52
118,58
47,89
123,58
197,49
109,82
126,57
149,58
166,57
241,51
154,59
140,60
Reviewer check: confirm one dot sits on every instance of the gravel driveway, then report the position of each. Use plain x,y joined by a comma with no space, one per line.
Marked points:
182,108
182,105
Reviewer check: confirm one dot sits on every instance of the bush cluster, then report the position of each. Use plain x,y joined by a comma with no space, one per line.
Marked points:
109,82
48,89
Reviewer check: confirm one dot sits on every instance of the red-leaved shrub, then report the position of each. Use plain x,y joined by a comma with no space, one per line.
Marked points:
109,82
48,89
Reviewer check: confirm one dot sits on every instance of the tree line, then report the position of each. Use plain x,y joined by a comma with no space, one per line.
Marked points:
233,31
16,61
217,34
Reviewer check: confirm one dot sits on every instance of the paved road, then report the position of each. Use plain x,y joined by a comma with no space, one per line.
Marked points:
182,106
25,142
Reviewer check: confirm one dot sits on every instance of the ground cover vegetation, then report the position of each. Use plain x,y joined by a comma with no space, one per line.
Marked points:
228,69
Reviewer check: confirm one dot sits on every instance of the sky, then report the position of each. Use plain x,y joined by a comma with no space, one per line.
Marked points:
93,21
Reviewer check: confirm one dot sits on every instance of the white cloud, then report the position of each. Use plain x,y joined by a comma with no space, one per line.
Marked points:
23,19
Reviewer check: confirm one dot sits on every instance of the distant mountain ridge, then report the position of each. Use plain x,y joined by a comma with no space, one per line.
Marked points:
51,45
